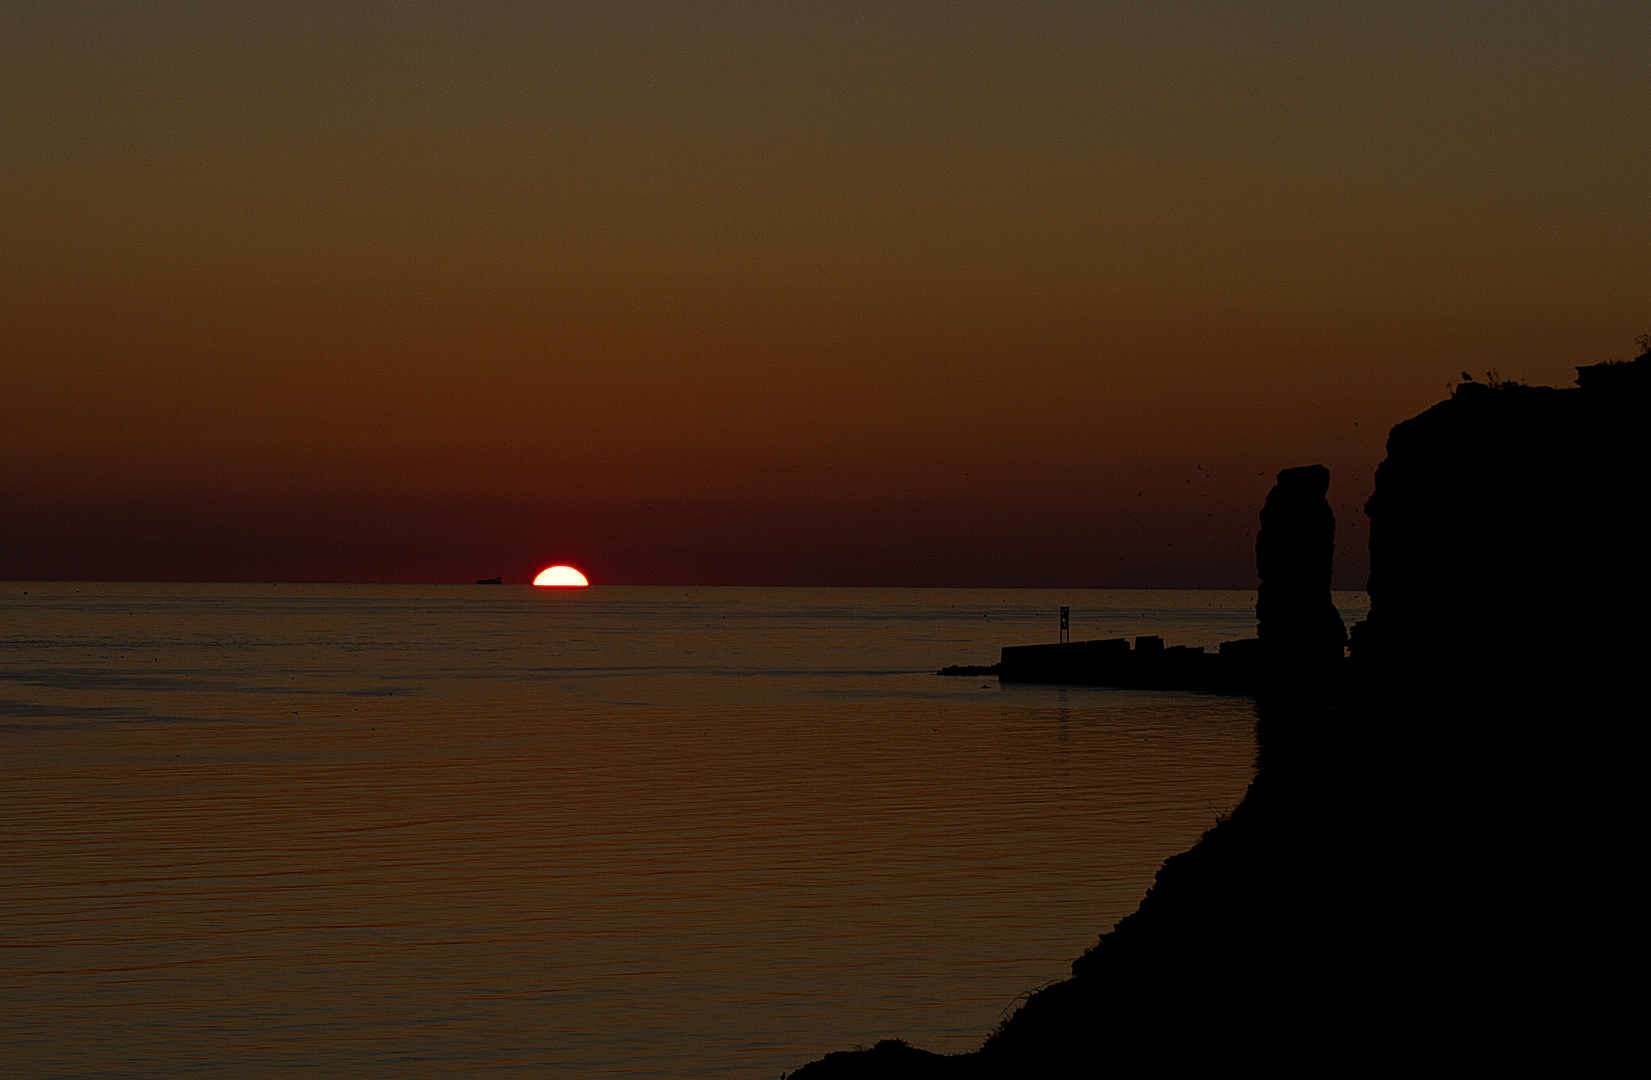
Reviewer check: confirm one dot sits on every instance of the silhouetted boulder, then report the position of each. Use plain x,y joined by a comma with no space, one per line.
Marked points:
891,1059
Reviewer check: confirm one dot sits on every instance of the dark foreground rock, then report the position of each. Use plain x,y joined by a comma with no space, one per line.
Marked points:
890,1058
1438,859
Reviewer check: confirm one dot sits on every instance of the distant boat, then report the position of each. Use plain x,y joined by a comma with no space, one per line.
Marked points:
490,581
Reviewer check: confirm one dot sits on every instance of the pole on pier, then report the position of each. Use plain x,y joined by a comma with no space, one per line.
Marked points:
1066,625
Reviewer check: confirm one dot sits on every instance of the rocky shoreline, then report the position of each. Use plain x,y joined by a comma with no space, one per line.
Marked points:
1433,861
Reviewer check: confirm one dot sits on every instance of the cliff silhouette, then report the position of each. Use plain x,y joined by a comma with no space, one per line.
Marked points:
1433,862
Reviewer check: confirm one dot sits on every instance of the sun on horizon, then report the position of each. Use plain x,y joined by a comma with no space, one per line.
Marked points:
560,577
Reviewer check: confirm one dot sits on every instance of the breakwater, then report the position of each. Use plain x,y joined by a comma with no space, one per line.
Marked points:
1149,665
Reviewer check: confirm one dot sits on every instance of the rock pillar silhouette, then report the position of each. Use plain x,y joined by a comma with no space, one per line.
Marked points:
1303,639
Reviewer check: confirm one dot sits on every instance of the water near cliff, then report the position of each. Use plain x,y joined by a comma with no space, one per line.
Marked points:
383,830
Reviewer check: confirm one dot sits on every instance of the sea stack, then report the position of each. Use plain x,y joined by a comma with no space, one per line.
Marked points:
1302,637
1293,554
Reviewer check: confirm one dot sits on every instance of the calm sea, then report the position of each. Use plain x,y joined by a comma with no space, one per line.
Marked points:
397,831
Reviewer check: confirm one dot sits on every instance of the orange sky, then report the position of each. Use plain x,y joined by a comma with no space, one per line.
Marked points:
953,294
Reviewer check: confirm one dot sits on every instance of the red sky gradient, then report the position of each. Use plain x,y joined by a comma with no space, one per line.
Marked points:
805,294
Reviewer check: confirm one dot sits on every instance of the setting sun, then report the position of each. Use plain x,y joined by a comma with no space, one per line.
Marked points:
560,577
